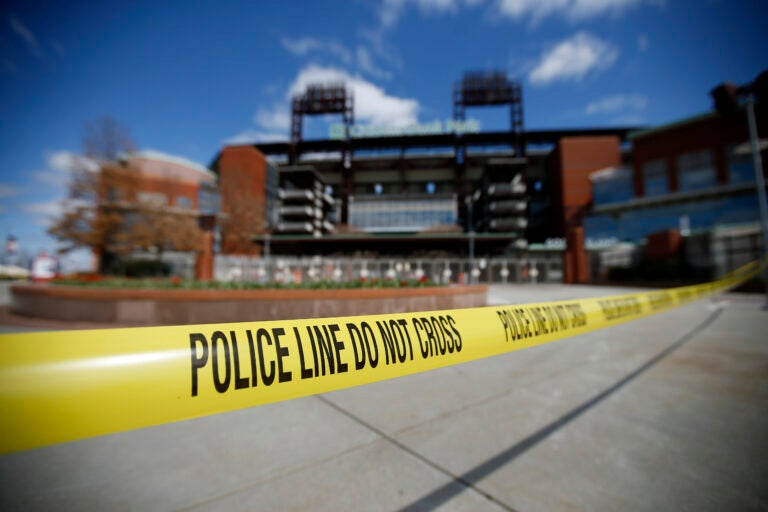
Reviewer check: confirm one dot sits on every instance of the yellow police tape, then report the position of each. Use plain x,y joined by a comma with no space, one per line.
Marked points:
64,386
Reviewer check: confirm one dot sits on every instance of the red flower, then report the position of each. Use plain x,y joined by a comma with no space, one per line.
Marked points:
423,279
176,280
403,282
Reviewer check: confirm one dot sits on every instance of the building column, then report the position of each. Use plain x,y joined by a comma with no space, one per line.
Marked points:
576,271
204,259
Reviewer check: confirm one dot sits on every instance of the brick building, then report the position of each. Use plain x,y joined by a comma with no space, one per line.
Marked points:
696,173
139,193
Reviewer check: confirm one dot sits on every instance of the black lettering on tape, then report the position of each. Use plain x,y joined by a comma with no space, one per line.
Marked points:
404,324
577,314
439,334
423,346
282,352
338,347
221,385
368,337
449,341
306,372
240,382
197,362
452,323
358,346
267,378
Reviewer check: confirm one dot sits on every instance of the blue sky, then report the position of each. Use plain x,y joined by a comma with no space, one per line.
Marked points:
186,77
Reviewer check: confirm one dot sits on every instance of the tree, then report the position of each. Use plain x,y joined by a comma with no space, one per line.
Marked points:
154,228
105,211
105,139
92,216
242,217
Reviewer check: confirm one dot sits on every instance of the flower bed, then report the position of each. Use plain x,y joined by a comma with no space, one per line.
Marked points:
98,281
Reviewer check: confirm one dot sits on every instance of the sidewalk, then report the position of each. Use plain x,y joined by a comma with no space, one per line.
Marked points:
664,413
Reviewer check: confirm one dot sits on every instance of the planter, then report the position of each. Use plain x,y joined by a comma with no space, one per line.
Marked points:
183,307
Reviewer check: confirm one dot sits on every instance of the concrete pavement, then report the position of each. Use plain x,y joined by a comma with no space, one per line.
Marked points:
664,413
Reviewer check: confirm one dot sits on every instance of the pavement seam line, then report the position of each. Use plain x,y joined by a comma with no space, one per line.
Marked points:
278,474
456,478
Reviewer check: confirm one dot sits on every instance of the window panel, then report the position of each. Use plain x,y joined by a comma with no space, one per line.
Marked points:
655,178
696,170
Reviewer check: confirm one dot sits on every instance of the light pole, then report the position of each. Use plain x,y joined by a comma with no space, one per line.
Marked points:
726,98
757,161
471,239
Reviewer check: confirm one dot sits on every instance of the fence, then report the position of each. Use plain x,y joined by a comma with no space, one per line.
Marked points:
538,268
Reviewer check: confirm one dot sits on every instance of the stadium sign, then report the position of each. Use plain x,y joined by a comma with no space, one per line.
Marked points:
436,127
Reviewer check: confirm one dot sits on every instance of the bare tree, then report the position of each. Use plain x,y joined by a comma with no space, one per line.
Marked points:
93,216
105,139
242,218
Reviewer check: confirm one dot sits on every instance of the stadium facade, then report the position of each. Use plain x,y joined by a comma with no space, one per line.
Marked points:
447,189
437,189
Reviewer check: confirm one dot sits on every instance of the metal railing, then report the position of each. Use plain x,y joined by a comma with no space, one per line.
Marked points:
441,270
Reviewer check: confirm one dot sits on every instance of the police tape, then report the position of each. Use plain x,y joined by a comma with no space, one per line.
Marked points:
65,386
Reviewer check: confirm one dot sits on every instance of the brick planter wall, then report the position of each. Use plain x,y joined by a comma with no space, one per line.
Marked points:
183,307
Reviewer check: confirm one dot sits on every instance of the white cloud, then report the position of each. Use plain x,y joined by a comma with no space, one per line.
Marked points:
51,178
304,45
67,161
573,59
619,103
381,49
276,119
45,211
253,136
26,35
536,9
362,58
584,9
391,10
372,104
60,166
365,63
573,10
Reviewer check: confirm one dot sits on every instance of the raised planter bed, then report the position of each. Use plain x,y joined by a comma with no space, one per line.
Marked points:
183,307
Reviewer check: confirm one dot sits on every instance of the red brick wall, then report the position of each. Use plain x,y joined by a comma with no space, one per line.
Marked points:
714,132
242,182
172,189
577,158
664,244
129,182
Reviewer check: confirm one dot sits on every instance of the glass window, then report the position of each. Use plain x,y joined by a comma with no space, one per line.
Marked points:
655,178
183,202
401,214
740,166
152,198
696,170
